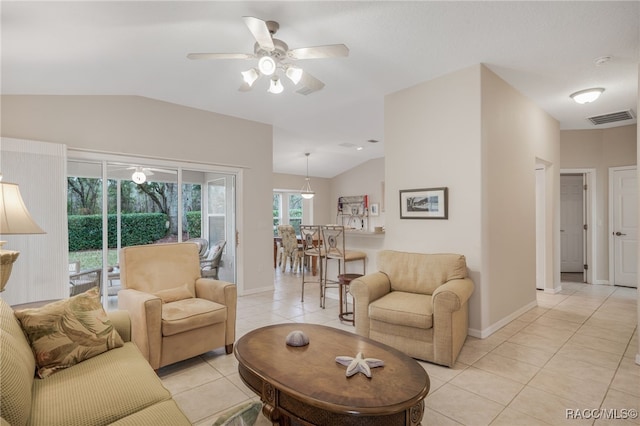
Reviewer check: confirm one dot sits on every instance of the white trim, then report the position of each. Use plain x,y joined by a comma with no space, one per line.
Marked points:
592,238
482,334
554,290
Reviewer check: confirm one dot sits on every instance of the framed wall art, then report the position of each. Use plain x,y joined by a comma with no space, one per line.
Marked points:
374,210
427,203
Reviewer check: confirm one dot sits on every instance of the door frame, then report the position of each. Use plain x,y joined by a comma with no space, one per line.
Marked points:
611,227
590,242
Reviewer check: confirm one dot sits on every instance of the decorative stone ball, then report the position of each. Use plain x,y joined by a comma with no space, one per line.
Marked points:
297,338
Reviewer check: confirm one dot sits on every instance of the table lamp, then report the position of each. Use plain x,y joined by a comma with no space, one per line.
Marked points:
14,219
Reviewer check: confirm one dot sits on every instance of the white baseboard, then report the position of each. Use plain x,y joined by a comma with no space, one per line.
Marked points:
256,290
554,290
483,334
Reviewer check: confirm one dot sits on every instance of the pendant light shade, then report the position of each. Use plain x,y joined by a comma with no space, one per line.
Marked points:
306,192
250,76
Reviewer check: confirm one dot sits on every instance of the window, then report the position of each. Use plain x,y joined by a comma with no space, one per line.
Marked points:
287,209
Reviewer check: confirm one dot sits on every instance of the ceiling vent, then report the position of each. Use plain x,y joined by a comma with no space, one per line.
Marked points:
612,117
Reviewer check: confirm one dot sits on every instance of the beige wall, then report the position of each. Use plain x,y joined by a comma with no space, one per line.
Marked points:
140,126
599,149
433,139
516,134
471,132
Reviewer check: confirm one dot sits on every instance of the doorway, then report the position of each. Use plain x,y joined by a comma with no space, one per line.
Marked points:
577,234
623,226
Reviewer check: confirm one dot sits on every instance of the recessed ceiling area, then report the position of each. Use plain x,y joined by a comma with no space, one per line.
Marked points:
546,50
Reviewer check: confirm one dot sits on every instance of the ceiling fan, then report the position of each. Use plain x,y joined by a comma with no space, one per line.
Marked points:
274,57
140,174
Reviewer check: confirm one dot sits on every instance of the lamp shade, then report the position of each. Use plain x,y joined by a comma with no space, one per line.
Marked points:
14,216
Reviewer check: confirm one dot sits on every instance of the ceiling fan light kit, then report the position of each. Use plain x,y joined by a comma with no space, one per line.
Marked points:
587,95
139,177
274,55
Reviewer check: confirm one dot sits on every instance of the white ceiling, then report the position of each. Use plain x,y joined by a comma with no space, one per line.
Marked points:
546,50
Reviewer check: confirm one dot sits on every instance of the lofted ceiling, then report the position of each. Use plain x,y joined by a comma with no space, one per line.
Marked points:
546,50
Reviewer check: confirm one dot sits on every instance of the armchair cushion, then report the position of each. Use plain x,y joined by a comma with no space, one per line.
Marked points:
189,314
417,273
185,291
407,309
68,331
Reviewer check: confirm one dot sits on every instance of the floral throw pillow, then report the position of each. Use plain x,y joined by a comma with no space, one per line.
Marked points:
69,331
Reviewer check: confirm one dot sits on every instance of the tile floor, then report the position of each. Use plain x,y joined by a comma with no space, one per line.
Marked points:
575,351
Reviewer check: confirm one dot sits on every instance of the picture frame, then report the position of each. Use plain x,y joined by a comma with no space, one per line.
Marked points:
374,209
424,203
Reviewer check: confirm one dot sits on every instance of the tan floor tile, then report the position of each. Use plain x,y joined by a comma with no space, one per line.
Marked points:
556,334
463,406
592,356
441,372
622,401
562,364
587,393
213,397
598,344
433,418
506,367
225,364
469,354
546,407
511,417
183,376
576,317
496,388
627,378
554,323
535,341
537,357
616,335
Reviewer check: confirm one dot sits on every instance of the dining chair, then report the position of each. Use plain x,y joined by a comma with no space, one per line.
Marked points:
312,251
334,249
291,250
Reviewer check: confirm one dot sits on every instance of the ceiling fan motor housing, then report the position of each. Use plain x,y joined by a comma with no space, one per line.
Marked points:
278,53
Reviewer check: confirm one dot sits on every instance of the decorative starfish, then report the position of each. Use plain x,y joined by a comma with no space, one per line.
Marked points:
359,364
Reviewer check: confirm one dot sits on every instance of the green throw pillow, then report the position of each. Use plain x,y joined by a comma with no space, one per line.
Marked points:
68,331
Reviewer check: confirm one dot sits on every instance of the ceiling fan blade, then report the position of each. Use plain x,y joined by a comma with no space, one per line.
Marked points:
319,52
308,84
220,56
260,32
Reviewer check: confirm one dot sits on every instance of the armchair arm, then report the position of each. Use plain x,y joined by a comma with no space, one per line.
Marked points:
450,319
365,290
145,311
122,323
224,293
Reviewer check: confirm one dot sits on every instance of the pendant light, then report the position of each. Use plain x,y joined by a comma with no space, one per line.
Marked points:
306,192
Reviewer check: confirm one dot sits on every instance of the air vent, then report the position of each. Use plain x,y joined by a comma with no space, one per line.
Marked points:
612,118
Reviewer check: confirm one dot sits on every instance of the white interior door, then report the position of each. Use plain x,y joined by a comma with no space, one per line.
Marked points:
572,223
624,221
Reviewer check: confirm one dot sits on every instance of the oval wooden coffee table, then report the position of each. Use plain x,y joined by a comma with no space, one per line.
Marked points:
306,385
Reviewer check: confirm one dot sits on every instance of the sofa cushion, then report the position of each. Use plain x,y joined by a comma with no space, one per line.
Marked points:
98,391
165,413
17,368
418,272
406,309
68,331
189,314
185,291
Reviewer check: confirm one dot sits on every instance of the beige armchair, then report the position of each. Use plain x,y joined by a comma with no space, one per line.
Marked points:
416,303
175,313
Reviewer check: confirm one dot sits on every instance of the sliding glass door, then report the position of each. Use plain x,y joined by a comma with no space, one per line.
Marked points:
144,204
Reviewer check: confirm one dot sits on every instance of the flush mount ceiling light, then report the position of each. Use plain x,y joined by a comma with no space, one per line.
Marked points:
587,95
306,192
274,58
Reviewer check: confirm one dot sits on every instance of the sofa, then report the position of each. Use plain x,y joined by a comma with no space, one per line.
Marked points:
416,303
115,387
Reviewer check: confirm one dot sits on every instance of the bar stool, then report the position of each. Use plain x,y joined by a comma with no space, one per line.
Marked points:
312,251
334,249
